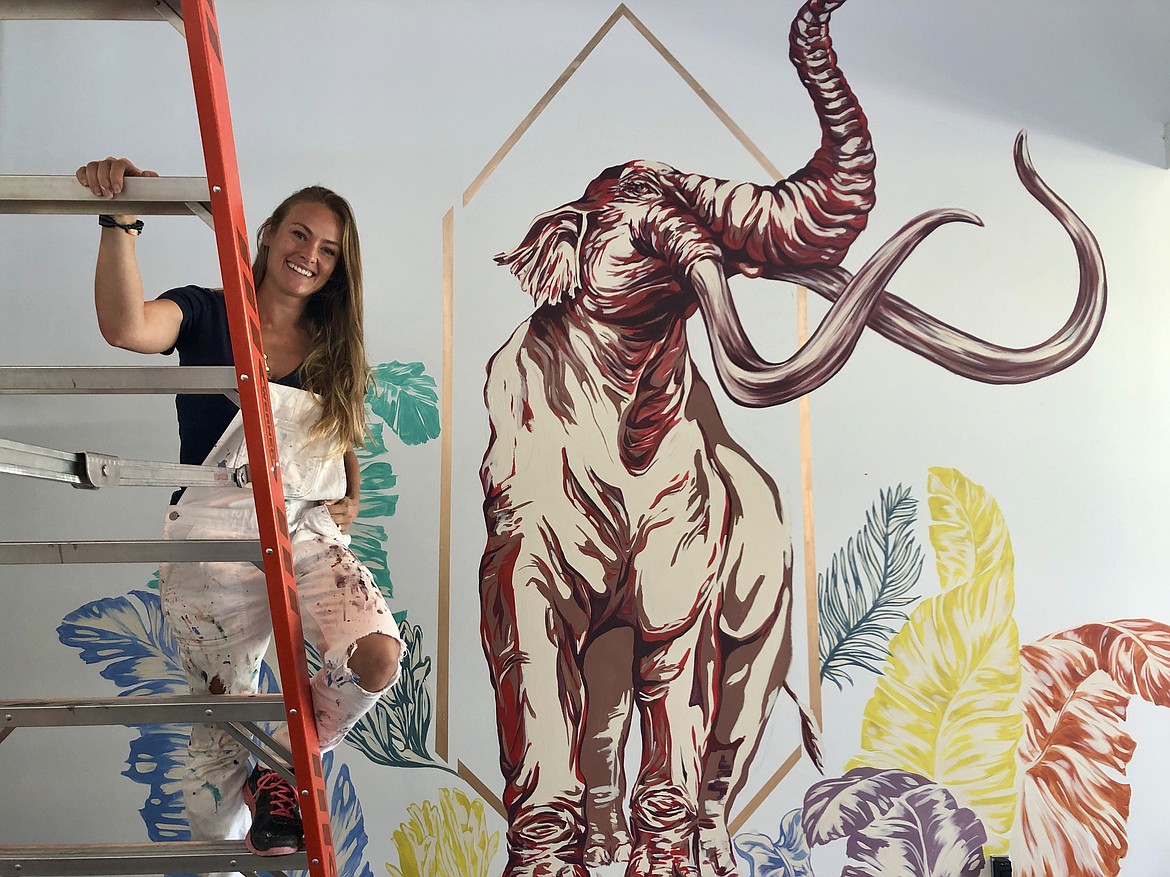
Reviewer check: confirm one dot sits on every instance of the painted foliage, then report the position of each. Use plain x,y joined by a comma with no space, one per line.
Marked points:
970,739
636,554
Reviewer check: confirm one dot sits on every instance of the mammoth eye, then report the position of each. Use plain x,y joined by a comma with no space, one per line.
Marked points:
639,187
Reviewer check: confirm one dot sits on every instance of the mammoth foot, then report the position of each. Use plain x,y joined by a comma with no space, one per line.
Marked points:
608,840
718,859
715,850
546,842
549,867
660,857
607,849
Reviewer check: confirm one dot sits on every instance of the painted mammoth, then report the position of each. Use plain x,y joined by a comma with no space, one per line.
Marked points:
635,553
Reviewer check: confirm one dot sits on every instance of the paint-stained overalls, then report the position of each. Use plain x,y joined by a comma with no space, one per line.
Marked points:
219,615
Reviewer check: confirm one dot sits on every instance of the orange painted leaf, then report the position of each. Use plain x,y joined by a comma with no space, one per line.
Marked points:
1074,802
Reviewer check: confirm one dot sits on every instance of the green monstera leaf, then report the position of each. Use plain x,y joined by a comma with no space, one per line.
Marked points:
404,396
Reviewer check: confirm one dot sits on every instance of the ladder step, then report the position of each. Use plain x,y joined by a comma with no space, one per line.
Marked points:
193,857
136,551
99,10
47,380
156,710
148,196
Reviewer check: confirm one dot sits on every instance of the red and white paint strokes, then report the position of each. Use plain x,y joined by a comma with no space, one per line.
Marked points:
635,552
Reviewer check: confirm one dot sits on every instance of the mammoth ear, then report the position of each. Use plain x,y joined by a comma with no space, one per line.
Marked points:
547,262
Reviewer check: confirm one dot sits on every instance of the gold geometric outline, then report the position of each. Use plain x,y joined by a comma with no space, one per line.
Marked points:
443,655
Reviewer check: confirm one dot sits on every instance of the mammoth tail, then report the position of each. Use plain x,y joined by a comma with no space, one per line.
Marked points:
810,730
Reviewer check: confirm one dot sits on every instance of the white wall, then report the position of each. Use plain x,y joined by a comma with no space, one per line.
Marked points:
398,106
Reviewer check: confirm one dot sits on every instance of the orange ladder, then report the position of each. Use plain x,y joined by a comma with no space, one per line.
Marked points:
217,198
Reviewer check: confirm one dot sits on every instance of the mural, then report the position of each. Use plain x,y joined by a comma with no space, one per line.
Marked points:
636,553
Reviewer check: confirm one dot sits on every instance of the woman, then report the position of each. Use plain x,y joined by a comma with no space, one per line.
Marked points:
307,275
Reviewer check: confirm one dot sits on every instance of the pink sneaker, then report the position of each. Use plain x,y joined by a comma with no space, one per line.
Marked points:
276,819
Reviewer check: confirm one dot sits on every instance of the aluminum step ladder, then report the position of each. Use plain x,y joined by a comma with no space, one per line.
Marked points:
217,200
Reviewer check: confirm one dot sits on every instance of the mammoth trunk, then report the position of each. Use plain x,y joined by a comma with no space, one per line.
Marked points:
811,218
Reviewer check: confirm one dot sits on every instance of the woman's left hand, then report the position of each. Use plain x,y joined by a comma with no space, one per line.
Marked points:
344,511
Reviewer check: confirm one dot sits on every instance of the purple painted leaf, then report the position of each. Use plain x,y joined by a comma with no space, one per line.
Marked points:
924,834
845,805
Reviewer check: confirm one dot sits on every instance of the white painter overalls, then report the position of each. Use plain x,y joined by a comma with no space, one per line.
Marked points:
219,615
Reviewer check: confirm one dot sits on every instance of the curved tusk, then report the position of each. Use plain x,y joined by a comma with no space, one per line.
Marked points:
749,379
973,357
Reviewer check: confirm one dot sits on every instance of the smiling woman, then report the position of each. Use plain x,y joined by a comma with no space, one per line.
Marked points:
307,276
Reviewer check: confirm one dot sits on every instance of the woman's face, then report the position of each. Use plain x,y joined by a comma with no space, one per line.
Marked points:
304,249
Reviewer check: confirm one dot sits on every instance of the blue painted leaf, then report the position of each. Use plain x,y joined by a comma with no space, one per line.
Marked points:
347,822
128,636
861,595
787,856
157,759
404,396
378,476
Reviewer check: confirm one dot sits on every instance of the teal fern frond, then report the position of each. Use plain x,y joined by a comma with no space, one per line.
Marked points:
862,594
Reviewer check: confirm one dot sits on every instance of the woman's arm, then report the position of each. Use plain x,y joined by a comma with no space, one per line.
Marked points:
344,511
125,319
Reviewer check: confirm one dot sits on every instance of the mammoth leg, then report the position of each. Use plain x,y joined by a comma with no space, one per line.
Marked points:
532,628
609,683
675,698
755,639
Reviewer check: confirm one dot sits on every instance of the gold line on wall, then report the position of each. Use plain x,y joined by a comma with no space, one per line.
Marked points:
544,101
620,12
812,621
443,644
719,112
762,795
468,776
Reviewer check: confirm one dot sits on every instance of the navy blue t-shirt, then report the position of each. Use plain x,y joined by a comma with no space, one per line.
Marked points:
204,340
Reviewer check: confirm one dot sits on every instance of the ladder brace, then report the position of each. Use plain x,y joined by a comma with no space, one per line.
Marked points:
91,470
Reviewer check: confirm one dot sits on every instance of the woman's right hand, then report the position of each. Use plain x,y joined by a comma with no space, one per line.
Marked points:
105,178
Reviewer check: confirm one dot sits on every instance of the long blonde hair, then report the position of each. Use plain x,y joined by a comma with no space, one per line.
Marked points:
336,368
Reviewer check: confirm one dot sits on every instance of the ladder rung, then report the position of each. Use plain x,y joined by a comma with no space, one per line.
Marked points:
48,380
150,196
157,710
100,10
136,551
192,857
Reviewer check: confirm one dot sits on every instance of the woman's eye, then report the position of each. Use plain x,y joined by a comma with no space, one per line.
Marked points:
298,234
328,251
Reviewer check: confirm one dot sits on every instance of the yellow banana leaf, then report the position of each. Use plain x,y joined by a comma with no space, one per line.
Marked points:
944,707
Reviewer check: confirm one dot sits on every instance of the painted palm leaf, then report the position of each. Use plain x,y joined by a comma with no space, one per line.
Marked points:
403,395
861,595
1074,802
445,839
945,707
898,824
786,856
